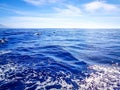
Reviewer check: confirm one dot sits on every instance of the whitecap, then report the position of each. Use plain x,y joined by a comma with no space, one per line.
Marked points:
5,52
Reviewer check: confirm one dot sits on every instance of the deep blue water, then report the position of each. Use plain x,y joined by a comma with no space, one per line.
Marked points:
63,59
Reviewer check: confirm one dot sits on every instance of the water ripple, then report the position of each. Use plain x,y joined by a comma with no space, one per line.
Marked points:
63,59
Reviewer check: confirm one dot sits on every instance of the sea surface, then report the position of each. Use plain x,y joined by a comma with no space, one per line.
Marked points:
60,59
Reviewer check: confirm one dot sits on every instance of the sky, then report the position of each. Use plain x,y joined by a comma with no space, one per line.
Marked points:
60,13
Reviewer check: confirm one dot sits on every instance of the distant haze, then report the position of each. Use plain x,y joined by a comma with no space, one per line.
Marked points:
3,26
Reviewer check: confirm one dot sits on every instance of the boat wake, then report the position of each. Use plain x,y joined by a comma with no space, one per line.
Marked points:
13,76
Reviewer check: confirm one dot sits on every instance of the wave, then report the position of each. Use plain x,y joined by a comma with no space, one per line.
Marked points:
64,60
2,52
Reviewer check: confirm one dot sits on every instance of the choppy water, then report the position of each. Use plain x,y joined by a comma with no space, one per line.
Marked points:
63,59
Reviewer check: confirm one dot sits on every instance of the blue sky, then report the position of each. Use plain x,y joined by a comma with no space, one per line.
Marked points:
60,13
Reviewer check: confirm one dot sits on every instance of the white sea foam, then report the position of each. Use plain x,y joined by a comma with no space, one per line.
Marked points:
102,78
4,69
105,78
10,67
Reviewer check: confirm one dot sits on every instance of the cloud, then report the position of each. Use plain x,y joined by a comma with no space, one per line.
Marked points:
70,10
41,2
99,5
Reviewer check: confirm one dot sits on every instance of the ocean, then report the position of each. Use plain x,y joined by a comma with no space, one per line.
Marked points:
60,59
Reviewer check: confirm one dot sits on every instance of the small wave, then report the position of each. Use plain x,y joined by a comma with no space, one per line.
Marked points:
5,52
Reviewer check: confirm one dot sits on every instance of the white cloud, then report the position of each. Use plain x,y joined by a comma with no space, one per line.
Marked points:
70,10
100,5
41,2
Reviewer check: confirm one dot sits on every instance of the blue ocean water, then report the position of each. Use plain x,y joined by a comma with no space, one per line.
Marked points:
62,59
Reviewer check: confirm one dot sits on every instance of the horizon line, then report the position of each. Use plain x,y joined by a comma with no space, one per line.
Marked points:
57,28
